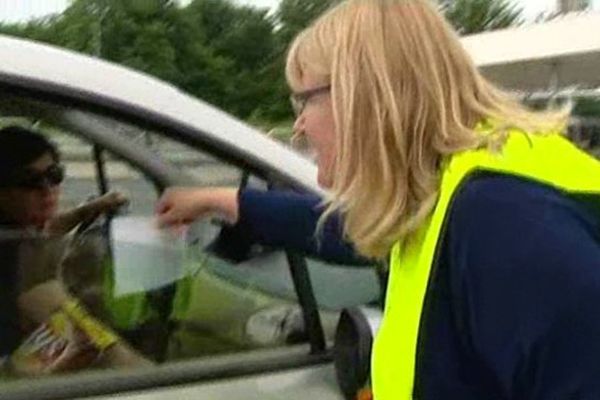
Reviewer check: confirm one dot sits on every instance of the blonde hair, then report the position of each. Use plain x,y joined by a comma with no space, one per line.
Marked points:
405,96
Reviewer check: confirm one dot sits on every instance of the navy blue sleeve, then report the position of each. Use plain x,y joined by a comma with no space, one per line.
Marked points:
526,281
286,220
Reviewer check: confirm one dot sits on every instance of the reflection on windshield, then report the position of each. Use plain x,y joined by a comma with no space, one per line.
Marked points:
68,307
83,287
55,314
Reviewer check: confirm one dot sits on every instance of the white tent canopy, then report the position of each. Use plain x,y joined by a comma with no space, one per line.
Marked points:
563,53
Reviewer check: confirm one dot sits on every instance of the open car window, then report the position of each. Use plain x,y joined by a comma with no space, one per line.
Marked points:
113,278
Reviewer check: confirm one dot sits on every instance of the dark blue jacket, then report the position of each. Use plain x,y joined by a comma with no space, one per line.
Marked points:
512,305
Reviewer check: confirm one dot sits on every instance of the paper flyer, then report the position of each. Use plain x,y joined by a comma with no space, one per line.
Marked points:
145,257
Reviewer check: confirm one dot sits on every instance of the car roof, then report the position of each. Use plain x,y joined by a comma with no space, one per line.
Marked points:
57,71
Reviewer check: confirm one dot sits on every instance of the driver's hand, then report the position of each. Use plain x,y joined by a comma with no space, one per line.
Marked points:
64,222
108,202
182,206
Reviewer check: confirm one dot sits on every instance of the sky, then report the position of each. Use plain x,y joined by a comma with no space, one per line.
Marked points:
22,10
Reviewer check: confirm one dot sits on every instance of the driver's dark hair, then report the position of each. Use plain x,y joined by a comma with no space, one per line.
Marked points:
20,147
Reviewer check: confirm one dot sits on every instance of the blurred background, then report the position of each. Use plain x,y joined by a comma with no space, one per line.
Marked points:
231,53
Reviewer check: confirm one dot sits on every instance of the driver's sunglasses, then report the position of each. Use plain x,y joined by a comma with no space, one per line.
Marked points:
300,99
52,176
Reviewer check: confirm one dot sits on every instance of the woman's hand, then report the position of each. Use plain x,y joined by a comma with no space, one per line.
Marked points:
182,206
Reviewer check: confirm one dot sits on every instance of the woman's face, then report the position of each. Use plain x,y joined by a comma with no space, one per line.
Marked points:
29,206
316,122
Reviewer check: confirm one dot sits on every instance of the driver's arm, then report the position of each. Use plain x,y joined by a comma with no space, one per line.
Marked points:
66,221
44,302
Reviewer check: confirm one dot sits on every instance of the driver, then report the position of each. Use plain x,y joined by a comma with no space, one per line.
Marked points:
35,300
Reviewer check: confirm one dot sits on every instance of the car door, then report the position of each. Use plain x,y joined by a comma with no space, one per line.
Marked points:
215,331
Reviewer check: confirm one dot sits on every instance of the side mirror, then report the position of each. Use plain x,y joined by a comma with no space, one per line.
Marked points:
352,348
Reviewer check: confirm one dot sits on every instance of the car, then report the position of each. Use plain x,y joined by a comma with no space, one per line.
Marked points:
257,329
270,327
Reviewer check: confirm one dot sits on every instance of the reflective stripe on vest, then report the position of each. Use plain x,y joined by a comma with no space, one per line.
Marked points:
550,159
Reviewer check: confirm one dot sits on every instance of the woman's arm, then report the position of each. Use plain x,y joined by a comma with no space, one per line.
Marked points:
282,219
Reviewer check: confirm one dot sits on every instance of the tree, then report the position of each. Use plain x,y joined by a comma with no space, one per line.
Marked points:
230,55
242,39
136,34
291,17
295,15
473,16
130,32
202,72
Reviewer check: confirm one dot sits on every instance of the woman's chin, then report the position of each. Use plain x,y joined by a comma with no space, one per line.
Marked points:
325,169
324,180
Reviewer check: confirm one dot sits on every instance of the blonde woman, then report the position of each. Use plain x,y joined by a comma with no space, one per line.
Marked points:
489,218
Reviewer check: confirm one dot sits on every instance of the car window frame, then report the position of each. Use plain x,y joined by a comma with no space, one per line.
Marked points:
149,119
207,370
316,352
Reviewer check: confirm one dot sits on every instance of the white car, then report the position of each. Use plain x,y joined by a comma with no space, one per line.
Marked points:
260,329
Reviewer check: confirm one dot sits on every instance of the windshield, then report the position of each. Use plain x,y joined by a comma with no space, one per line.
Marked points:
110,296
91,283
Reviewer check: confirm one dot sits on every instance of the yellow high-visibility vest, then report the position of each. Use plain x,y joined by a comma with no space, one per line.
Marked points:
547,159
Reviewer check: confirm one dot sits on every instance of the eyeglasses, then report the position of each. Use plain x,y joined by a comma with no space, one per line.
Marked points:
300,99
31,179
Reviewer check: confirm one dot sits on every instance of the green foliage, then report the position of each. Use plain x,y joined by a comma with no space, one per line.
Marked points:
229,55
295,15
587,107
472,16
242,39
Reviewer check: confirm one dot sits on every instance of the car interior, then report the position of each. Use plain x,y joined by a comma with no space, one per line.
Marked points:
189,303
